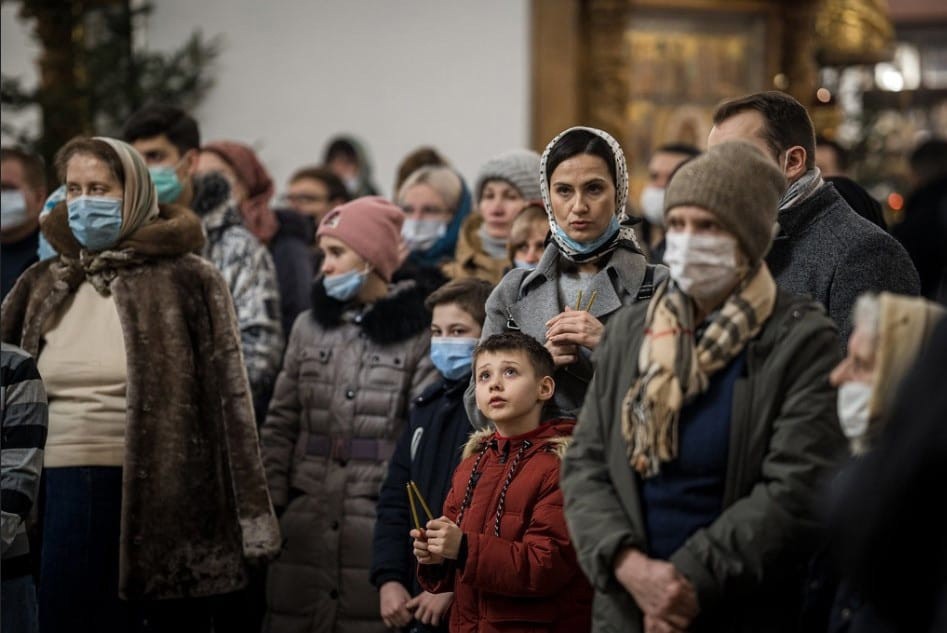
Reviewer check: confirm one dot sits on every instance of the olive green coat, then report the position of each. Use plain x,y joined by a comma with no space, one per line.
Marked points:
748,565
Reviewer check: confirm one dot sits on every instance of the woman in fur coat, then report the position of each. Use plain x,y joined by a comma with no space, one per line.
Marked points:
155,491
353,365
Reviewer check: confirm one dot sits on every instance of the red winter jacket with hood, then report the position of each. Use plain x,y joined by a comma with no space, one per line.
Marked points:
527,577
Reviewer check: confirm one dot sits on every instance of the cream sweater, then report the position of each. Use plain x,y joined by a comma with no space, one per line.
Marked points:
84,368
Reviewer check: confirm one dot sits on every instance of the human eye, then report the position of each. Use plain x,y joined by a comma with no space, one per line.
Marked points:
595,188
522,248
563,190
458,331
510,371
435,331
483,376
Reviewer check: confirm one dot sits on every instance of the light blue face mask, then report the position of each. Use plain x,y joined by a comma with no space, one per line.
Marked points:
13,209
453,355
44,249
167,183
96,222
584,248
344,286
520,264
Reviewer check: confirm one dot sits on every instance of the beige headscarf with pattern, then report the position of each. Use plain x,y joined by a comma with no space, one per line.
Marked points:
140,204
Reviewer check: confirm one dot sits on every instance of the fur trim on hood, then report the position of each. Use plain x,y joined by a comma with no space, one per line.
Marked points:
556,444
392,319
177,231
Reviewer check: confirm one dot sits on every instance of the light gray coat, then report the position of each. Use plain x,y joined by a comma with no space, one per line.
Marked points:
525,300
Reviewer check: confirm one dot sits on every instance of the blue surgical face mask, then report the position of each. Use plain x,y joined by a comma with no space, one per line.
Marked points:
13,209
167,183
519,263
344,286
54,198
420,235
453,355
96,222
584,248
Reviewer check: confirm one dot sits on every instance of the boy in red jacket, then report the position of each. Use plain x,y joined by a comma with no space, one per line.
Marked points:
502,545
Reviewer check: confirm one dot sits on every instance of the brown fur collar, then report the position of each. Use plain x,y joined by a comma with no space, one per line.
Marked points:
392,319
556,445
177,231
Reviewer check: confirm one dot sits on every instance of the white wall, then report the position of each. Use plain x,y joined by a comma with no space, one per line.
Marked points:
396,73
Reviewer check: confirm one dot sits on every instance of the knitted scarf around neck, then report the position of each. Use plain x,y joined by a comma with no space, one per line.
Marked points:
674,367
801,190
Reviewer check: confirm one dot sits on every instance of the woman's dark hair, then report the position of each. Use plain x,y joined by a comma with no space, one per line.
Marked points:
581,142
94,147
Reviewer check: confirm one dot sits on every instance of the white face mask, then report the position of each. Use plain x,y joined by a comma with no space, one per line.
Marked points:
652,204
853,400
703,266
421,235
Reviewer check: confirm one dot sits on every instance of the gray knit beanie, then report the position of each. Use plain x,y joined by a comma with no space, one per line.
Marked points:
739,185
519,167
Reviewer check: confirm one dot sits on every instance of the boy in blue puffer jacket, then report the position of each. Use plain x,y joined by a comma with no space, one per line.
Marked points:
427,453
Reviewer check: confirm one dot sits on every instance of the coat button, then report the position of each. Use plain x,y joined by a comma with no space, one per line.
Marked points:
334,594
335,525
350,394
142,473
846,614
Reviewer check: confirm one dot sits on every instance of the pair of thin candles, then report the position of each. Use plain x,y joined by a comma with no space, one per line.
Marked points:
588,308
415,493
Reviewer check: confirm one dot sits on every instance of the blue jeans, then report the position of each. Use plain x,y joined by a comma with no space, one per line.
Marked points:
18,605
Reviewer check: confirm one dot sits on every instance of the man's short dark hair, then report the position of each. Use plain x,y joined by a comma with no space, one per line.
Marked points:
685,149
156,119
469,294
539,357
785,121
841,154
34,170
341,147
333,183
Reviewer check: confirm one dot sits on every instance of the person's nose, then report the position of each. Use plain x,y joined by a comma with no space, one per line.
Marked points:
841,374
580,205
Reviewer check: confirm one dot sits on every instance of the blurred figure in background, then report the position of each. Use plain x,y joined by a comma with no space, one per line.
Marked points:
923,229
22,192
505,184
528,237
169,140
155,497
859,200
314,191
887,507
664,162
830,157
424,156
435,202
286,234
346,158
823,249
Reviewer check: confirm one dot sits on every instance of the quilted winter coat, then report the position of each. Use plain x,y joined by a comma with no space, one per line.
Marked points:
339,406
526,578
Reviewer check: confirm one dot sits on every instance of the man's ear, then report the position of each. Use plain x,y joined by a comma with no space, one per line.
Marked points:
189,161
795,163
547,388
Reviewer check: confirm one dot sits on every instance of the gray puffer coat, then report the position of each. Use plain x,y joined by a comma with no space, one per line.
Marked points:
340,403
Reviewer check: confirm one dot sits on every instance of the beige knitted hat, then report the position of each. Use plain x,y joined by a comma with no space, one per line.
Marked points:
739,185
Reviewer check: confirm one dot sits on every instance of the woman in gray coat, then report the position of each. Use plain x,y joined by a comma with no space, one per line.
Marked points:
353,365
709,425
591,267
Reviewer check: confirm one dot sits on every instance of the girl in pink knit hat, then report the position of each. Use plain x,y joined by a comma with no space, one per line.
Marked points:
354,363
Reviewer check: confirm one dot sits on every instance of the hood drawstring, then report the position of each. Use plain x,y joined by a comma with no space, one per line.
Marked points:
475,475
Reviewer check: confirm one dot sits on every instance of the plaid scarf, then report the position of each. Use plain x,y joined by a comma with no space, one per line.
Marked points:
674,368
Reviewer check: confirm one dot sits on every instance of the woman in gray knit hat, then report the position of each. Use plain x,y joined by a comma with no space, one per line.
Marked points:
505,185
709,424
591,267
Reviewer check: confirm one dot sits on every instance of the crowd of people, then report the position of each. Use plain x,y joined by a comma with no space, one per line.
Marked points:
529,405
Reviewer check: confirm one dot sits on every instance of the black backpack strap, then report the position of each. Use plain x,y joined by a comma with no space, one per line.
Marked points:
647,284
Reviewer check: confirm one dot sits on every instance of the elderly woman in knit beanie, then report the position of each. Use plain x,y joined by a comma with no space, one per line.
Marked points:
591,268
708,425
354,364
155,491
505,185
